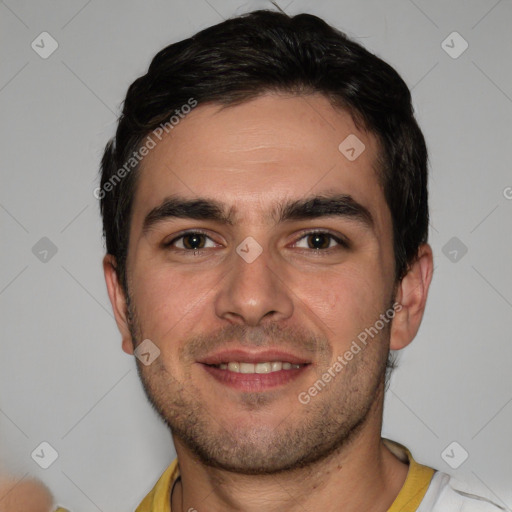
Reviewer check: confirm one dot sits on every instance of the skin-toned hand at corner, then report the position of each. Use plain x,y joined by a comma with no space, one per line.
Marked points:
24,496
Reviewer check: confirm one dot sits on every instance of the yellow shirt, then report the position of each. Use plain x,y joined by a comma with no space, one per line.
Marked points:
410,496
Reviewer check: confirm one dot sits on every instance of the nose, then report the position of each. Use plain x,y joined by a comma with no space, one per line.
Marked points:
254,291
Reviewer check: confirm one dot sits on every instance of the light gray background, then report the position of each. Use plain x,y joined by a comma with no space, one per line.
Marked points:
64,378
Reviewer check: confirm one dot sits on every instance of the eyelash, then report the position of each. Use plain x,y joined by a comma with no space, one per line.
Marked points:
342,243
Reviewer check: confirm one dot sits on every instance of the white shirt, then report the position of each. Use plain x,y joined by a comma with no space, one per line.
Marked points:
448,494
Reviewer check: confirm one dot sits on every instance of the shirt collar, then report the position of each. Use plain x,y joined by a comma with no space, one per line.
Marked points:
408,499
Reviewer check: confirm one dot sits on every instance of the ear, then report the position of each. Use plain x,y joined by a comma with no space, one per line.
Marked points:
411,296
118,301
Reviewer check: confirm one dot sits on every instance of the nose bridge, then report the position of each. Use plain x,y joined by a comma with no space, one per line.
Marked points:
252,289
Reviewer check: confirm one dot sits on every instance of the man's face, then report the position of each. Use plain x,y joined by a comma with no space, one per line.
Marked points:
304,299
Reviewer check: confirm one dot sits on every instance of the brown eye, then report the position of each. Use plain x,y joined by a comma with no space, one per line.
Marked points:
191,241
321,240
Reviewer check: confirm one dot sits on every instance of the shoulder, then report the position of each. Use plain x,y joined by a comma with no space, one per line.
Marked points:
447,493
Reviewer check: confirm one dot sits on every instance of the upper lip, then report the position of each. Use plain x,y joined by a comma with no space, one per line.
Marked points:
239,355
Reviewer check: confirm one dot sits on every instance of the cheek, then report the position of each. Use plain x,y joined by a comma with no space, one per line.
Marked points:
153,293
346,300
158,298
169,302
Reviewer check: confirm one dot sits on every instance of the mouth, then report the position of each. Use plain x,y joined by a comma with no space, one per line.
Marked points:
252,372
259,368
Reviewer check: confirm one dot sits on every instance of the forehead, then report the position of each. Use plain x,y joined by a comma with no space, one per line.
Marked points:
257,153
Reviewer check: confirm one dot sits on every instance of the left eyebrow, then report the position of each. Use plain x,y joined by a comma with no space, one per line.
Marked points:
338,205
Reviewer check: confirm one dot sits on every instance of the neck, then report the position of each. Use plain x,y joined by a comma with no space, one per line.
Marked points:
360,475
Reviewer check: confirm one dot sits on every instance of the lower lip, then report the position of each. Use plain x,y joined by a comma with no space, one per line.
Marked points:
254,381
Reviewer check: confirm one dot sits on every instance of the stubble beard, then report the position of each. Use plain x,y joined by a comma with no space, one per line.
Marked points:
313,432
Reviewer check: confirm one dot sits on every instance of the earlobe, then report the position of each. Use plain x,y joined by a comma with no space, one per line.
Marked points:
412,294
118,301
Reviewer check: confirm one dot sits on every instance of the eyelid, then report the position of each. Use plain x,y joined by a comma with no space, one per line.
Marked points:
186,232
337,237
340,239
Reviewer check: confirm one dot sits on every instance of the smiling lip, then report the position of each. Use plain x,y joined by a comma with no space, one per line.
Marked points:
238,355
254,382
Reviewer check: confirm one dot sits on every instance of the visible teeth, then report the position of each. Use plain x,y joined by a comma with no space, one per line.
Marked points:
267,367
246,368
276,366
234,367
262,368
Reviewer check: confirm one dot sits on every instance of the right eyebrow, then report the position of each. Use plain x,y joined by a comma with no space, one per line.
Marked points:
181,208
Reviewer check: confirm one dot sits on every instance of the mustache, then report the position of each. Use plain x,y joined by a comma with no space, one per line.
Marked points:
294,339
